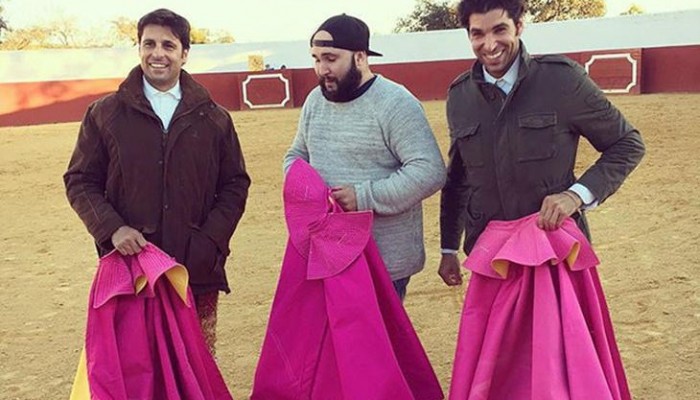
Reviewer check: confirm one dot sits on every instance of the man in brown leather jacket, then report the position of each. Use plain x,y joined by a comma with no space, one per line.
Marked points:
159,161
515,123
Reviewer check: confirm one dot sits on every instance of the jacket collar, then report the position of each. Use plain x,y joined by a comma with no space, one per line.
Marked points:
525,58
131,91
151,92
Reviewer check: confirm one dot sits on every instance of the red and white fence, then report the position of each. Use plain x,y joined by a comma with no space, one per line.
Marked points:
625,55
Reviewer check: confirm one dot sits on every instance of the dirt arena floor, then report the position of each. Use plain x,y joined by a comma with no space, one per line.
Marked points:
646,236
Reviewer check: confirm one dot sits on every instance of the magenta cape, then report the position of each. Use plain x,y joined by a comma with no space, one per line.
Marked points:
337,329
535,324
143,339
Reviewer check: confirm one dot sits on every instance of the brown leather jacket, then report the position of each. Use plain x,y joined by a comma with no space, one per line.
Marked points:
508,152
184,189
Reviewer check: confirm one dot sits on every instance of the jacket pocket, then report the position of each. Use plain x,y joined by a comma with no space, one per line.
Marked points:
202,259
472,206
469,143
536,136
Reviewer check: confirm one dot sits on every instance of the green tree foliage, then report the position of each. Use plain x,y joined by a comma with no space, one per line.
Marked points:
429,15
558,10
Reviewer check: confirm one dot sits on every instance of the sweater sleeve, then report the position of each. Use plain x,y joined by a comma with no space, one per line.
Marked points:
298,148
411,140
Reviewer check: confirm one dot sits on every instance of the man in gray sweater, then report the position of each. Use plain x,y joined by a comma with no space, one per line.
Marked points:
369,139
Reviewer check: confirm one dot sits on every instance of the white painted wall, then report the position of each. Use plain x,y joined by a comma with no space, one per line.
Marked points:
637,31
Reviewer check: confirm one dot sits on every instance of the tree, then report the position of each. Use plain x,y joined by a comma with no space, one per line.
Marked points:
222,36
4,27
125,31
63,32
633,10
205,36
199,35
26,38
59,33
558,10
429,15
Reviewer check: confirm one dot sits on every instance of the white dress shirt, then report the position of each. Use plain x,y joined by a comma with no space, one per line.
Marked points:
163,103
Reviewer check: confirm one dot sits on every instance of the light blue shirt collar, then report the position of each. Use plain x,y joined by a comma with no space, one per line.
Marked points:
507,81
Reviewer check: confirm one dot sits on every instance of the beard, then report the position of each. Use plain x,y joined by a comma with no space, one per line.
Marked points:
345,86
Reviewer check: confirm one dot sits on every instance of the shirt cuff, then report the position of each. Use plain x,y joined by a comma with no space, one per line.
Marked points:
588,199
448,251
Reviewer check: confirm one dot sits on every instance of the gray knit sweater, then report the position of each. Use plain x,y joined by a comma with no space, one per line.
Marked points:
382,144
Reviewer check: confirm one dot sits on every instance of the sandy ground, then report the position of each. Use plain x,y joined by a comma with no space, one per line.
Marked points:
646,236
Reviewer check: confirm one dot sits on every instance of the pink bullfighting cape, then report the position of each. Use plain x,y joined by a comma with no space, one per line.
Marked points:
143,339
535,325
337,329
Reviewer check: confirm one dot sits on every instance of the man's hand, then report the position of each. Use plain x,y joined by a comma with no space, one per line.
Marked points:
345,197
449,270
128,241
556,208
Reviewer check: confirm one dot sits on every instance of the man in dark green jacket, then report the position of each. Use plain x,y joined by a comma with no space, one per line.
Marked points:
515,123
159,161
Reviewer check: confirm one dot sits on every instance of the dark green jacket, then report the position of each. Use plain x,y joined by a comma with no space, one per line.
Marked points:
508,152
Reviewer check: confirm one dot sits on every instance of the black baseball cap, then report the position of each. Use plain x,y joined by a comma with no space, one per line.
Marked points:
348,33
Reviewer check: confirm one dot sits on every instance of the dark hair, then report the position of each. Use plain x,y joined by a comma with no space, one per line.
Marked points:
514,8
164,17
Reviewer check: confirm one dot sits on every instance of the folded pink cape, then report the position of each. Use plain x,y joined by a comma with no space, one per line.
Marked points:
143,339
535,324
337,329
